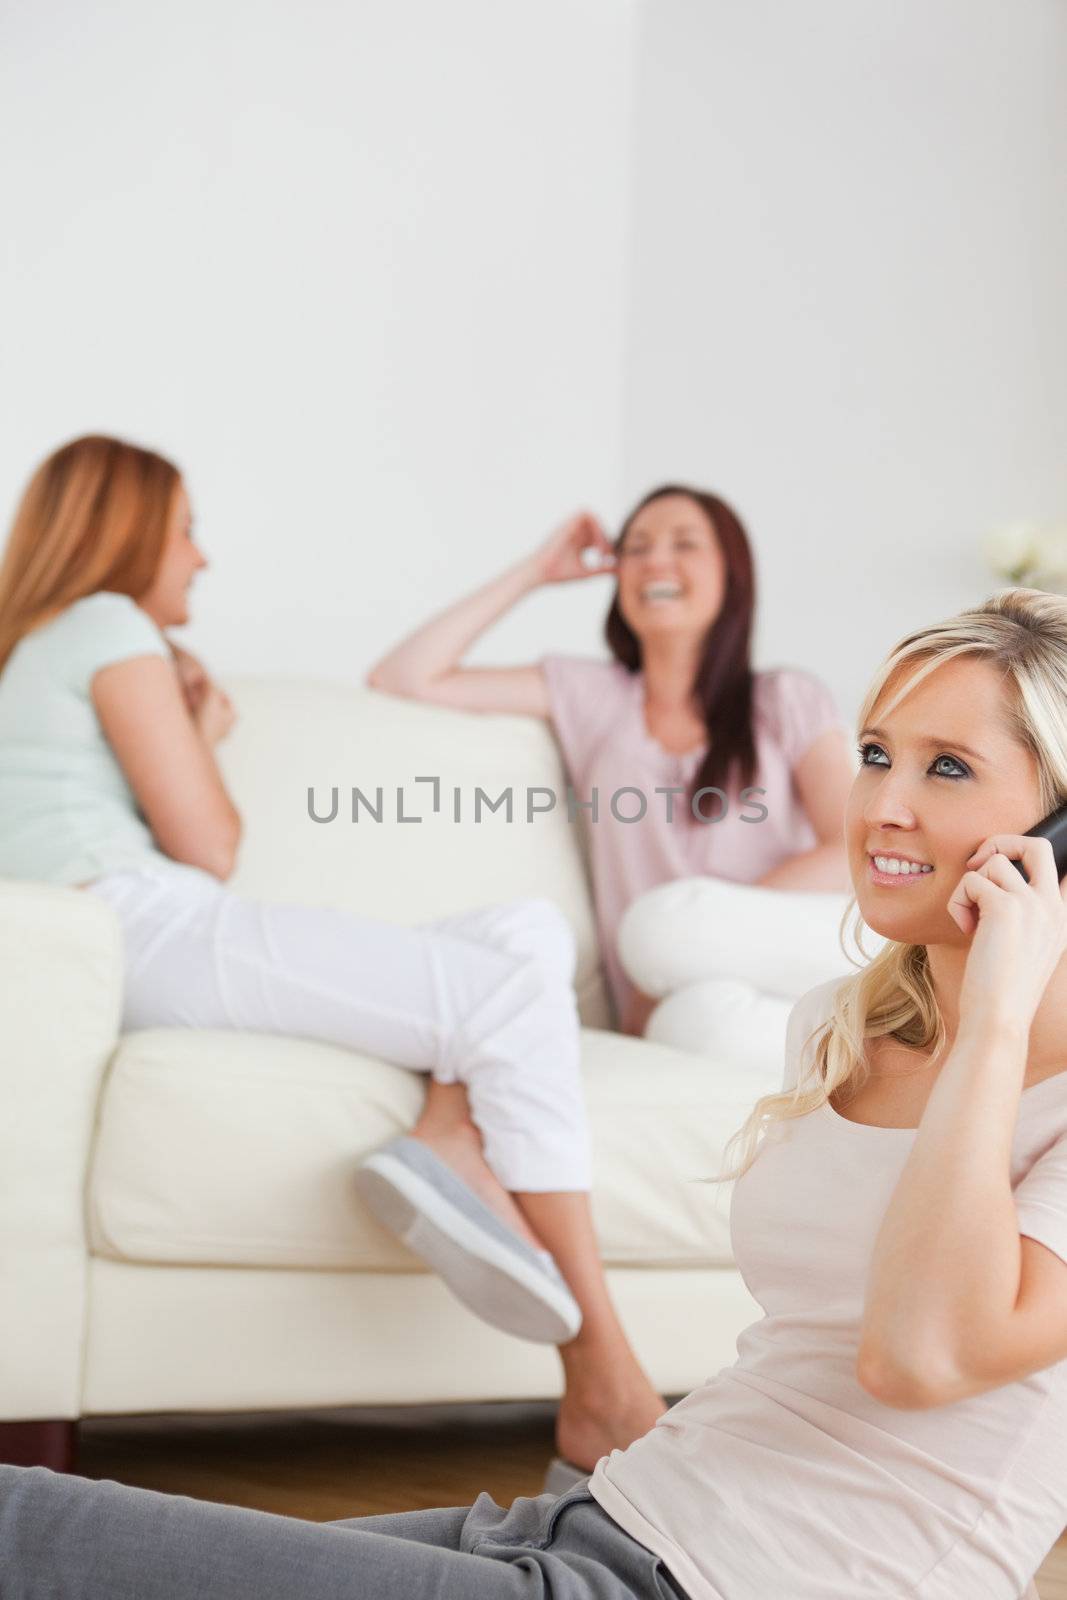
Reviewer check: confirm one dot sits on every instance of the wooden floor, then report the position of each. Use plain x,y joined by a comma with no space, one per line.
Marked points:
327,1465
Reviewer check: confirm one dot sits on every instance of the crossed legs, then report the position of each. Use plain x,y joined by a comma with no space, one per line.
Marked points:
483,1003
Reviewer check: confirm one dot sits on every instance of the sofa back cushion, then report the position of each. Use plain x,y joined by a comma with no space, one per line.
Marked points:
295,736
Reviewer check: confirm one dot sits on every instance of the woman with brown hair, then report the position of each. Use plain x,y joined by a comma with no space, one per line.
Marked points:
109,783
713,794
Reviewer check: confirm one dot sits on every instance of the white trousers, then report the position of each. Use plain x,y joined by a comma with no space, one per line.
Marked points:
727,961
484,998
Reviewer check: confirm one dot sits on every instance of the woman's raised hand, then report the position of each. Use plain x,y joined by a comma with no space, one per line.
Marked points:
559,559
1019,930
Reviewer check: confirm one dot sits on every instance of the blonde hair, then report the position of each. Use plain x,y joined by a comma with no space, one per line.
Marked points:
1022,632
93,516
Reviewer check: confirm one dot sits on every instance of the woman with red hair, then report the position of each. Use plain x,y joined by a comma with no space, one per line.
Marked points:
109,783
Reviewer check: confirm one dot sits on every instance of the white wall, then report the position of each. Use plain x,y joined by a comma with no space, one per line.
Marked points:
400,284
848,306
358,267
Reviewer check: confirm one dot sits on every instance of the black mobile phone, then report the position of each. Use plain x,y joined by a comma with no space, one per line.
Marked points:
1054,828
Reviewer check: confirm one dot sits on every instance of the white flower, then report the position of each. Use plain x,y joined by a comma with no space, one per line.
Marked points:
1012,549
1050,551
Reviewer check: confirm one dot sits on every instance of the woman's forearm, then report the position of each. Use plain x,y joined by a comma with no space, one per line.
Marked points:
212,764
440,644
219,842
945,1269
824,867
225,795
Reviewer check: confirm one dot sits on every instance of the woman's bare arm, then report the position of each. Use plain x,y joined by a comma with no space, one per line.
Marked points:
426,665
957,1300
945,1275
165,751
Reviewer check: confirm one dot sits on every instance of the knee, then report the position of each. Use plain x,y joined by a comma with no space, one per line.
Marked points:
672,932
734,1022
544,932
22,1497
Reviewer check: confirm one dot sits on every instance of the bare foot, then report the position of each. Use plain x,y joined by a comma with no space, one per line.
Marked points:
459,1146
588,1426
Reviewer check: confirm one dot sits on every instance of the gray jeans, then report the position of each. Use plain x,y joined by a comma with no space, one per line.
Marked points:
69,1538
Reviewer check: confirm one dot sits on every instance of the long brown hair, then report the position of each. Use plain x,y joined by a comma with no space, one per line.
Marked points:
724,680
93,516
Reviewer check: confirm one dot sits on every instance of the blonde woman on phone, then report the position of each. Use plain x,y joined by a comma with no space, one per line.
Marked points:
721,899
895,1423
109,783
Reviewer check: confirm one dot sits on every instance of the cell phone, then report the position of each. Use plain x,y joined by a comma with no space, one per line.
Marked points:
1054,828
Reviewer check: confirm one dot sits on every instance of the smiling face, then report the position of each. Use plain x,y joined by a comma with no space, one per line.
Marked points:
671,570
940,773
167,598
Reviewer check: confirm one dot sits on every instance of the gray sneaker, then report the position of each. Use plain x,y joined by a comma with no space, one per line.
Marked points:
506,1281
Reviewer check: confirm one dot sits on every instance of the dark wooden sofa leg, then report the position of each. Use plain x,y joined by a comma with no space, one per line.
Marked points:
39,1444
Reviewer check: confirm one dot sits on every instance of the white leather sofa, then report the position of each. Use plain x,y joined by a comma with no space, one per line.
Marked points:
179,1228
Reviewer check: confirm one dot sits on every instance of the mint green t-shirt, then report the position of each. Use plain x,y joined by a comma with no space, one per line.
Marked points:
67,813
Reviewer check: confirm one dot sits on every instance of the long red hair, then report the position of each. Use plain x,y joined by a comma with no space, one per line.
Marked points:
93,516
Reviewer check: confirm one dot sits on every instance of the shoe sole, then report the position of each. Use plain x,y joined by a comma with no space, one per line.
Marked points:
484,1274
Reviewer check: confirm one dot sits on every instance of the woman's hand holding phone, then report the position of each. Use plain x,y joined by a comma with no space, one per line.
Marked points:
1018,928
560,558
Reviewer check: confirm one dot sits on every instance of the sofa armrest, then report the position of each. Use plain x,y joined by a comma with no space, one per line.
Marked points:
60,1005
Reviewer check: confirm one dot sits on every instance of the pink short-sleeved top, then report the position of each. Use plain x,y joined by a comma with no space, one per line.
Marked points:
597,712
781,1475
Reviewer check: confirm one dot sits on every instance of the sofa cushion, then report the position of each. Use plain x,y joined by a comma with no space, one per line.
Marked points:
238,1149
293,736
